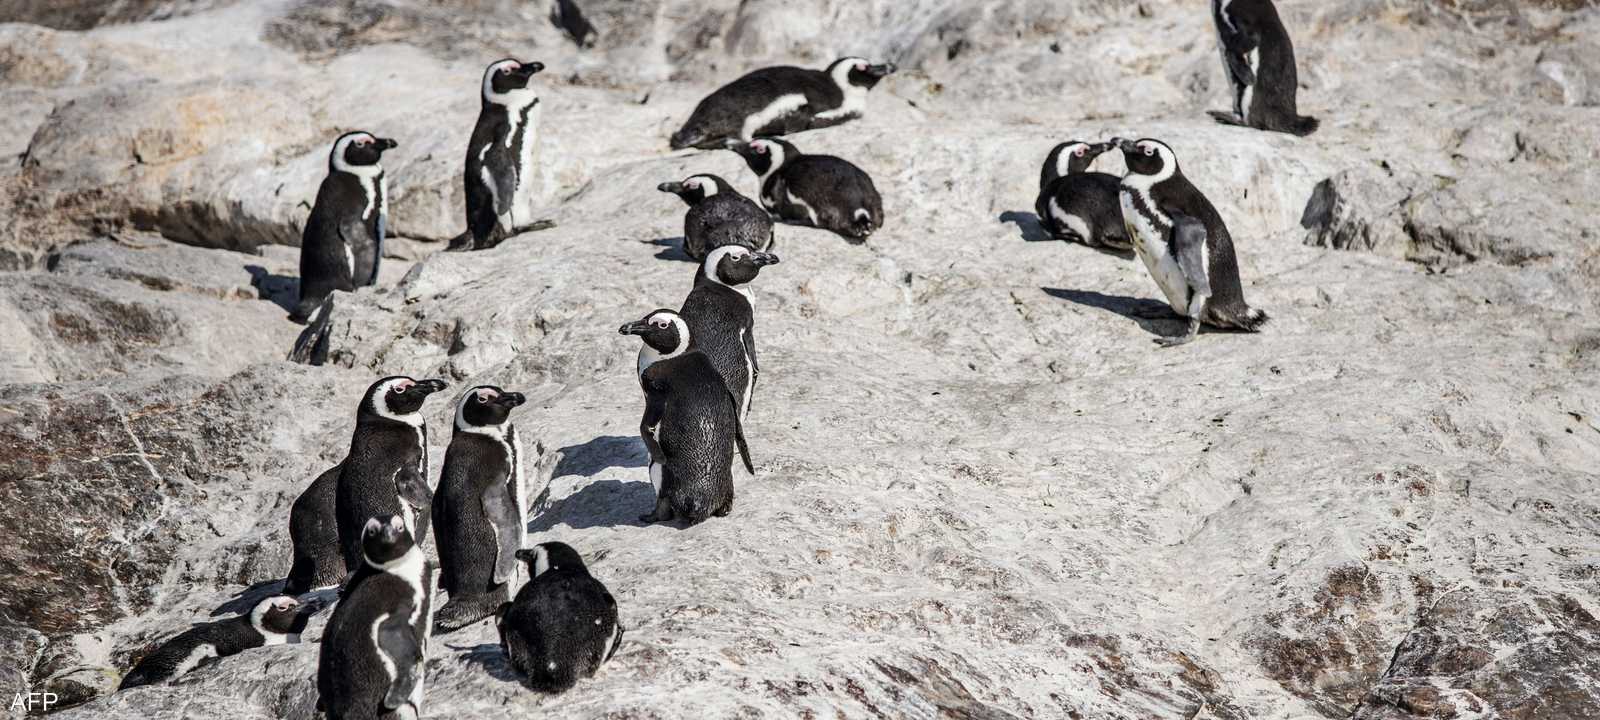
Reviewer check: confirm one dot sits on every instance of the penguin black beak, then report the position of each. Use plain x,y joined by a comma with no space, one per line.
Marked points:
762,259
736,145
531,69
635,328
1125,145
672,187
387,144
510,399
882,71
429,387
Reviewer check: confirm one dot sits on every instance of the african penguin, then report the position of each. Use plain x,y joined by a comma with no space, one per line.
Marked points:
480,508
781,100
1258,59
274,621
502,157
314,537
375,645
1077,205
718,215
566,14
1183,241
665,334
720,314
817,190
342,244
386,470
563,624
690,427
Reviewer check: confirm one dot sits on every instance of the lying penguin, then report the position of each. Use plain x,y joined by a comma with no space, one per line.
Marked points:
821,191
781,100
718,215
274,621
1077,205
563,625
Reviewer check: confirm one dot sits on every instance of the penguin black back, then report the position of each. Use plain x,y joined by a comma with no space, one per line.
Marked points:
721,318
692,429
314,537
718,215
563,624
1077,205
781,100
821,191
273,621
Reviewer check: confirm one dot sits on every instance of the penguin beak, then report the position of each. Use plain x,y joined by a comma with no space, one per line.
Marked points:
635,328
510,399
387,144
429,387
882,71
531,69
1126,146
675,188
762,259
736,145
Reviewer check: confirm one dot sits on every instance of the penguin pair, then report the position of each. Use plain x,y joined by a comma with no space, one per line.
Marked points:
502,157
781,100
1258,59
718,215
698,369
820,191
273,621
384,473
342,244
1183,241
1077,205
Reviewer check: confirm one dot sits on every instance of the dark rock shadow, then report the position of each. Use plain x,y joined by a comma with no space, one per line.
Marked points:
281,290
1028,223
606,451
492,659
607,503
1153,315
249,597
672,249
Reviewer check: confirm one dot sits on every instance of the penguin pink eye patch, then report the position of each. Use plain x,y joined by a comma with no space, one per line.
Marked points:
403,385
485,395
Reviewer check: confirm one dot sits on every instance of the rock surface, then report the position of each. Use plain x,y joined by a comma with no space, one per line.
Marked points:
981,491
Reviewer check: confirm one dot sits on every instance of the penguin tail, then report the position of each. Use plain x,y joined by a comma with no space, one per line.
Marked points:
464,241
1304,126
686,138
1253,320
461,612
311,348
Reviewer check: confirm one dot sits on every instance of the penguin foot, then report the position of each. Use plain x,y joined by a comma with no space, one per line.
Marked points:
1227,118
1169,342
467,611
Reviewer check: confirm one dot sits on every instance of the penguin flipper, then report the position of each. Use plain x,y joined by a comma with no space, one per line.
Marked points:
1189,244
311,347
501,511
377,250
1239,69
398,641
413,488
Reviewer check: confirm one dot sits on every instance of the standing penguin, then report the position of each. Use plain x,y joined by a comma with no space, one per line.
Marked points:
718,215
1183,241
563,624
1258,58
1077,205
480,508
721,317
502,157
781,100
314,537
343,241
817,190
273,621
374,648
386,470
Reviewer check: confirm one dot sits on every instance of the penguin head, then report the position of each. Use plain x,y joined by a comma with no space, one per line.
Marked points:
1072,156
858,72
1148,157
506,82
281,615
485,406
385,539
545,557
355,151
663,330
398,398
735,264
696,188
764,155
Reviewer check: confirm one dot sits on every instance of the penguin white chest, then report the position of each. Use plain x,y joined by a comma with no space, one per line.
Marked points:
527,160
1151,245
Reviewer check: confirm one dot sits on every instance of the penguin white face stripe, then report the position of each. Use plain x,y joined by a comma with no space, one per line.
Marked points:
709,269
380,404
541,561
1142,184
1064,160
855,96
705,185
369,175
498,432
649,356
778,108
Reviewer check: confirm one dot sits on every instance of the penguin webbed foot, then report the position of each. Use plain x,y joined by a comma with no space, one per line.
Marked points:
1184,339
1227,118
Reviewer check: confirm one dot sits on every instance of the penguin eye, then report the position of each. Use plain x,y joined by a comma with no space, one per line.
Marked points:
1149,150
662,324
1078,152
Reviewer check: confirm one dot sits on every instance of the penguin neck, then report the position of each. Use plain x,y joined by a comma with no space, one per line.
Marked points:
412,419
742,288
268,635
649,356
406,566
853,98
493,432
374,186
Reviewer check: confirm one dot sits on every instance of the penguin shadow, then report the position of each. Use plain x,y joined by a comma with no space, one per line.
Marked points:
1153,316
490,658
605,451
1032,231
249,597
606,503
671,249
280,290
